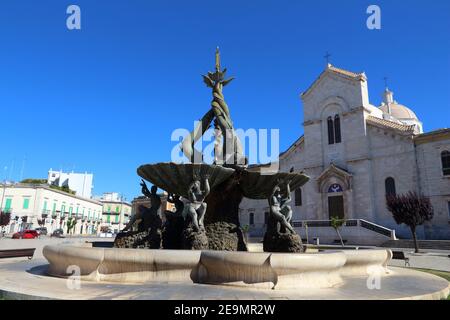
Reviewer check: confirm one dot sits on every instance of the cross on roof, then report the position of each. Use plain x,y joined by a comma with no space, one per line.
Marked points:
327,57
385,82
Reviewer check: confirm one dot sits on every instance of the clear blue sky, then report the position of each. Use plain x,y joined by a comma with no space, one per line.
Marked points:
105,99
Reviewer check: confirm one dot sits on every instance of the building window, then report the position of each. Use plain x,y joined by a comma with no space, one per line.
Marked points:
445,159
389,185
334,129
251,218
266,218
117,209
448,204
330,130
337,129
335,187
298,197
26,203
8,205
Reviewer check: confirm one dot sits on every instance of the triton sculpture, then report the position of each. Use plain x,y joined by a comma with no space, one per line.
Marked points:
212,214
230,152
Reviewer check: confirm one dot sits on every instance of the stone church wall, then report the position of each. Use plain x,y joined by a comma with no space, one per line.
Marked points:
436,186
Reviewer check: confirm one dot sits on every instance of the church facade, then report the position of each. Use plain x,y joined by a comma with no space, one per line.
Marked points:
355,153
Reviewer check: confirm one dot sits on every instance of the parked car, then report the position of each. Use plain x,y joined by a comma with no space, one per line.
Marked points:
26,234
42,231
58,233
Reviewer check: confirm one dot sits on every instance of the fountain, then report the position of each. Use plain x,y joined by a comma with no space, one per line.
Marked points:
213,192
202,242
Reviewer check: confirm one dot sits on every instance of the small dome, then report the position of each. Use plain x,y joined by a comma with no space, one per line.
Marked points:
399,111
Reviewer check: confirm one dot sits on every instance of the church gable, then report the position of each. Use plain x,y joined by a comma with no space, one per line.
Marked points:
335,89
336,73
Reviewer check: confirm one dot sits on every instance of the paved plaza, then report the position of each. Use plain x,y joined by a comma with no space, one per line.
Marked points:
427,259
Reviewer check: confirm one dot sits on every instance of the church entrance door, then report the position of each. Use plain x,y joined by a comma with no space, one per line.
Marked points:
336,207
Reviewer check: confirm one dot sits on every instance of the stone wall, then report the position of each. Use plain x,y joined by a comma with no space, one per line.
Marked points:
435,185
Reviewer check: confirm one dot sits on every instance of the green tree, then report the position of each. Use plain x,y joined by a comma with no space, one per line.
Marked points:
34,181
71,222
5,217
336,223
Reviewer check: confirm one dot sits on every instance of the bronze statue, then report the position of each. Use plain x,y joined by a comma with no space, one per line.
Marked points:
286,209
280,211
196,207
144,216
155,199
231,150
229,179
176,200
172,228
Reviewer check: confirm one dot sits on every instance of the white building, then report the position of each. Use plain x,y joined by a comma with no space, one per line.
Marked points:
81,183
355,153
109,196
30,203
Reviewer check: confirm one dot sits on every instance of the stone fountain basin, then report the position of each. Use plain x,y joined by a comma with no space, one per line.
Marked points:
263,270
176,178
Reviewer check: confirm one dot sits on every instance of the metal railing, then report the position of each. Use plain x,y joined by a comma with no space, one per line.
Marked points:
377,228
348,223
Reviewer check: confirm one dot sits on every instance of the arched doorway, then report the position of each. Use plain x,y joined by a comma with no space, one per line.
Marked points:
335,201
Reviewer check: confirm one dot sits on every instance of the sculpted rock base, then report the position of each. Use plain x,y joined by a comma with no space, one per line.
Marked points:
285,242
225,236
194,240
141,240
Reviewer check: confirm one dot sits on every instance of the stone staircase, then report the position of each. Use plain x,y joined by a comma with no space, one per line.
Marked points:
423,244
357,232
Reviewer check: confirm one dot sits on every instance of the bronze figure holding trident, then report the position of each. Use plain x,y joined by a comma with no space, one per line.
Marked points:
231,149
